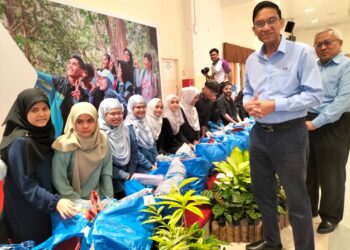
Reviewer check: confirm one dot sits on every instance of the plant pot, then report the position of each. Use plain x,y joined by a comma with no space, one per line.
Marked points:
237,233
215,229
230,232
251,233
244,230
258,230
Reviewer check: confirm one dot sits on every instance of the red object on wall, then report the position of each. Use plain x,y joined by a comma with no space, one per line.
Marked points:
1,195
187,82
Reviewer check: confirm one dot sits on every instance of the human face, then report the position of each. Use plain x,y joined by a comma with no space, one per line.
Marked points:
214,56
39,114
126,56
103,83
73,68
85,125
327,46
105,62
139,110
267,26
158,109
114,117
146,63
174,104
208,93
227,90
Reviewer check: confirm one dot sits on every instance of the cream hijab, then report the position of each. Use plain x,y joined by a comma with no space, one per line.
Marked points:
119,137
175,118
154,122
89,152
142,129
187,95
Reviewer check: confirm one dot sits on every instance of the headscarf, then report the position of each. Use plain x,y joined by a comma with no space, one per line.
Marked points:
119,137
187,94
38,139
175,118
154,122
142,129
89,152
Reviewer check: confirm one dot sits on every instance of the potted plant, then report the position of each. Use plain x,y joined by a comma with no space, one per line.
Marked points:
171,231
236,215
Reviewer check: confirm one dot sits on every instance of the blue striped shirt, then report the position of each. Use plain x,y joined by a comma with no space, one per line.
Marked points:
336,87
290,77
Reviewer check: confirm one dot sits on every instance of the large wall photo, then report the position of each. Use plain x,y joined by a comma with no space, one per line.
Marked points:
49,34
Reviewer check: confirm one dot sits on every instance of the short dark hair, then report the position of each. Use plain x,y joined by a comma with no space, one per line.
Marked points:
213,50
212,85
80,61
89,69
224,84
266,4
108,56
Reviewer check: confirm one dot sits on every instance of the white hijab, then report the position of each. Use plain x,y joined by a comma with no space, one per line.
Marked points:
175,118
142,129
154,122
119,137
187,95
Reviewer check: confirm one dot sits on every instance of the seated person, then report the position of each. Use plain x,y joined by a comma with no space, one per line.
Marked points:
205,105
227,107
82,161
124,150
190,127
140,133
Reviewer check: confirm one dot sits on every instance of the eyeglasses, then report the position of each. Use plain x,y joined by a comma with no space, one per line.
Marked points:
261,24
326,43
115,114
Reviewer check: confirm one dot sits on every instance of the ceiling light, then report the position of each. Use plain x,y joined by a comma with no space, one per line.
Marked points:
308,10
314,20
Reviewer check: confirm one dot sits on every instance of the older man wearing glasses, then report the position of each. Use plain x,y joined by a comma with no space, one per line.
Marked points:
329,132
282,82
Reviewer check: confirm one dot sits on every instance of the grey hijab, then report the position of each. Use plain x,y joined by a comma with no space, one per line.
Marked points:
119,137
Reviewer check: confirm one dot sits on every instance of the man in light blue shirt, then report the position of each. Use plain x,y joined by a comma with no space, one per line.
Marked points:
329,132
282,82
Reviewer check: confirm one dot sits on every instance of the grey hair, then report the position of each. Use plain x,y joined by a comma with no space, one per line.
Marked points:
336,32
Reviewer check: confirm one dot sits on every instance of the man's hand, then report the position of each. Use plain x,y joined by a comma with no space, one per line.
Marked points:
310,126
259,108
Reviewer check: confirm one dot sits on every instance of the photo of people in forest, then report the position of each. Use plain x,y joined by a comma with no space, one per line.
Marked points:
81,55
91,48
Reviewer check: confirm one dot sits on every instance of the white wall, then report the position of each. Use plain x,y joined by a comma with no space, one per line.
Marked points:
307,36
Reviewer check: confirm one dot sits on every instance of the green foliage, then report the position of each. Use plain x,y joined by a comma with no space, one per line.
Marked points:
49,34
231,196
171,232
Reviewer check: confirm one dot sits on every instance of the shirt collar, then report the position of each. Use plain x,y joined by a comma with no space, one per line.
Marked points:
337,59
281,47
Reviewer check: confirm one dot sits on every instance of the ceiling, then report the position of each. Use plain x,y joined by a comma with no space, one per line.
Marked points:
327,12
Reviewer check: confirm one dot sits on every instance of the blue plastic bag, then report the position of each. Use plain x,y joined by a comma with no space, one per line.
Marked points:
66,229
132,186
212,152
121,227
197,167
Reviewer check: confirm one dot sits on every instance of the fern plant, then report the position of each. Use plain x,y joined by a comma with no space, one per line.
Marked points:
171,231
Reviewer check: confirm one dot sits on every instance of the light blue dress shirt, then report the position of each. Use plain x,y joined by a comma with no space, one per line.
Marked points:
290,77
336,87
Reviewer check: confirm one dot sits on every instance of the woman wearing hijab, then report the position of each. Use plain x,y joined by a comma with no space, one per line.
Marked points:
82,161
167,143
190,127
124,151
140,132
28,189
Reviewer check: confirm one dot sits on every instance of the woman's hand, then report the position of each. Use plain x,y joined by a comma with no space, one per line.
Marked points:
66,208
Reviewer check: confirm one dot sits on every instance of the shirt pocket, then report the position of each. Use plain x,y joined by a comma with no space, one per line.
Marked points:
282,84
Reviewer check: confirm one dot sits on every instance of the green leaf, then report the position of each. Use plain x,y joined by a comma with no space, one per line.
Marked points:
195,210
176,216
187,181
218,210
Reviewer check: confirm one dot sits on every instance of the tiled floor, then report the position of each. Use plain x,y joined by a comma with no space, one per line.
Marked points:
337,240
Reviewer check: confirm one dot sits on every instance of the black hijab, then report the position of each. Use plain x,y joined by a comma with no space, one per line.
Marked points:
38,139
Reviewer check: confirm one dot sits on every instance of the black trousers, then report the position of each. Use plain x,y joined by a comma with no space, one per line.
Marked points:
329,151
284,153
